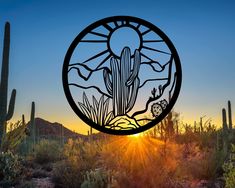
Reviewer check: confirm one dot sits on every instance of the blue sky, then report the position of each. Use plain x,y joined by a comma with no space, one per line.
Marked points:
41,32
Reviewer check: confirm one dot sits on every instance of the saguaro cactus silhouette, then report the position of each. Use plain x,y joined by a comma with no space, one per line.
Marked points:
230,116
224,118
5,114
32,124
225,131
122,82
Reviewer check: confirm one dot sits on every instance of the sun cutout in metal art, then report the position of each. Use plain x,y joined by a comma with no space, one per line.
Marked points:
122,75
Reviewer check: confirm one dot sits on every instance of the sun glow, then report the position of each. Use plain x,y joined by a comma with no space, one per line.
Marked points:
127,149
136,135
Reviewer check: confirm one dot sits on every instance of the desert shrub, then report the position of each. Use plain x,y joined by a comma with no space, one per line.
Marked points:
14,137
187,137
207,139
204,139
80,156
38,173
10,168
65,174
202,164
27,184
82,153
199,166
47,151
98,178
229,170
142,162
134,162
47,167
229,175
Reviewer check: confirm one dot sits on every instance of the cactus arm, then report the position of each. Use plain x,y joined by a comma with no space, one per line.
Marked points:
136,68
116,86
133,94
125,71
230,116
125,62
23,120
107,81
11,105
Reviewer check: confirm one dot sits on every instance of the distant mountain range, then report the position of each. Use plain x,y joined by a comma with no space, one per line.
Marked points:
47,129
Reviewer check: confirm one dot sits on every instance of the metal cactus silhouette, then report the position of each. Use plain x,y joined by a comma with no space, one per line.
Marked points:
122,75
122,81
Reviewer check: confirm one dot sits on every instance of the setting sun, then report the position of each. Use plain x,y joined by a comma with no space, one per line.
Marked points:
136,135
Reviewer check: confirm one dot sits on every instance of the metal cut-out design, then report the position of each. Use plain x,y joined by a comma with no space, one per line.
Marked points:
122,75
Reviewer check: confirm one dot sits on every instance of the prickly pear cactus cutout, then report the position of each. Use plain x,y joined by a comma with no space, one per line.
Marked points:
122,75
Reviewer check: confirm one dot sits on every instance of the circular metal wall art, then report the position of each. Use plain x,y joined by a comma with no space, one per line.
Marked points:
122,75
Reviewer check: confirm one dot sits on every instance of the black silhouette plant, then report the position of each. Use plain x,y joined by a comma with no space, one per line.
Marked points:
122,81
97,111
153,92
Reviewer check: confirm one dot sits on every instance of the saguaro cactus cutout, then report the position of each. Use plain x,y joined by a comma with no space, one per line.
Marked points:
122,81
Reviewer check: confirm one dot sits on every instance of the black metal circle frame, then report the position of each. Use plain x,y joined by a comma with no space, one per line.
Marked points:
159,33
